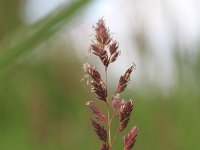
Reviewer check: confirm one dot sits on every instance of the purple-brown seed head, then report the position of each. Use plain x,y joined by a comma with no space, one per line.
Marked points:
99,87
96,112
103,43
125,114
124,80
100,131
130,139
102,33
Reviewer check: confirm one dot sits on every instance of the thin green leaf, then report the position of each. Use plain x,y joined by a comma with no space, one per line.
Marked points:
46,29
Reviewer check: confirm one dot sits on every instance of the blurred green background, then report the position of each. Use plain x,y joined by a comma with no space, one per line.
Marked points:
42,101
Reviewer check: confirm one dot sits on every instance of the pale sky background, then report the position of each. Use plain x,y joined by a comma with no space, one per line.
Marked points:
163,23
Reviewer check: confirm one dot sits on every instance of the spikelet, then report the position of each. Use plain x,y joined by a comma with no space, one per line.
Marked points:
99,87
129,140
100,131
125,114
96,112
103,43
124,80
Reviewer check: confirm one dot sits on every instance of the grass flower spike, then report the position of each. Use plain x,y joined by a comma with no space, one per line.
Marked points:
129,140
99,87
96,111
103,43
124,80
104,47
101,132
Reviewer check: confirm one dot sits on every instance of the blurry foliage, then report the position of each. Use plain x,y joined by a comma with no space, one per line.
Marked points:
33,36
9,18
42,102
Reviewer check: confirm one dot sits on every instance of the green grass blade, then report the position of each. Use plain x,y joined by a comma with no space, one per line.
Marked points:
46,30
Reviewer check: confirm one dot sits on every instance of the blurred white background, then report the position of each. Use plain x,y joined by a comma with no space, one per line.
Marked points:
153,29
